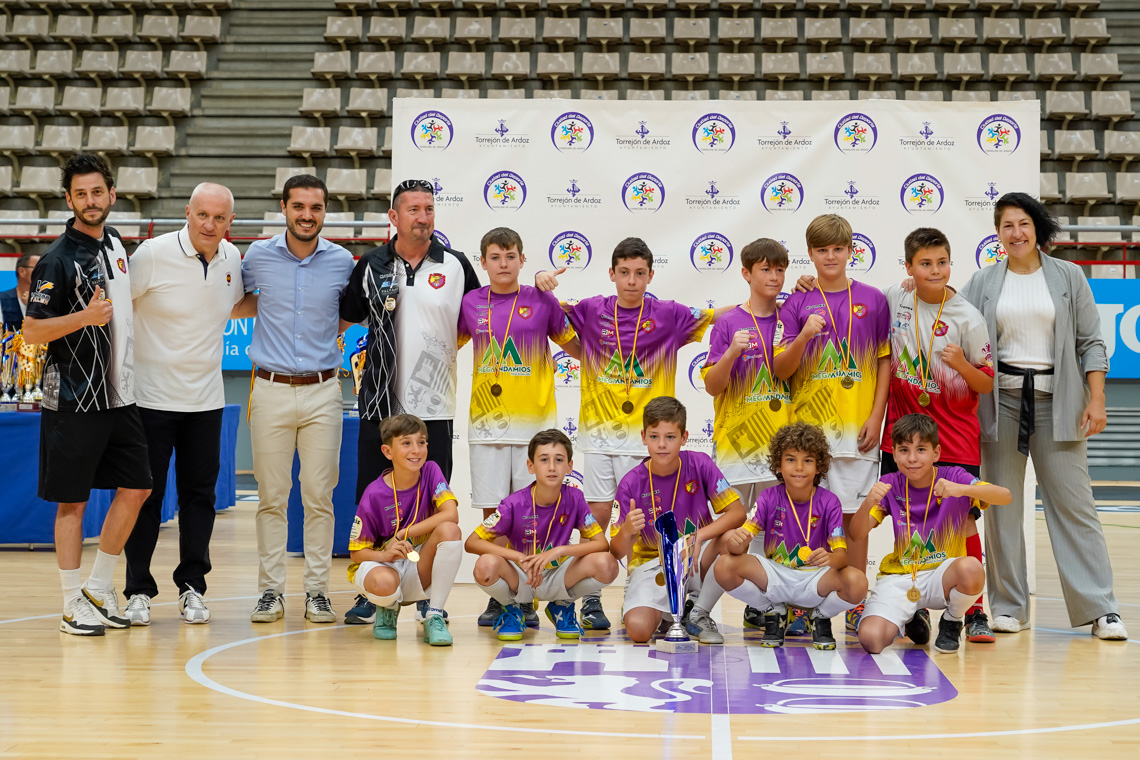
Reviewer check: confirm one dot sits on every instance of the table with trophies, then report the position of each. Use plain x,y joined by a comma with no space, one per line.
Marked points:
24,517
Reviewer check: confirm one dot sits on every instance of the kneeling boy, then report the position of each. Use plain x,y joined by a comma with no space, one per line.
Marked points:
529,568
405,542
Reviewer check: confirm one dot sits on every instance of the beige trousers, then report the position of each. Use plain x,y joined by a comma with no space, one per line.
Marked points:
306,419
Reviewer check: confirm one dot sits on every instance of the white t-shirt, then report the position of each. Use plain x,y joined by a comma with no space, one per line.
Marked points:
181,310
1025,319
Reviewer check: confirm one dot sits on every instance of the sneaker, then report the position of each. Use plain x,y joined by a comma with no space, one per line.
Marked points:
491,614
593,618
690,602
702,626
1008,624
363,612
821,636
853,617
1109,628
79,619
797,622
530,617
510,625
565,621
384,627
435,631
192,607
775,624
917,628
270,608
318,609
138,609
753,618
422,610
978,628
663,627
949,635
106,605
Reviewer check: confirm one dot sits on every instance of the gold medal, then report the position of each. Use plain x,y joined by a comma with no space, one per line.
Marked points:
627,407
660,578
496,390
497,361
804,554
914,594
774,405
414,555
924,399
923,369
847,382
389,303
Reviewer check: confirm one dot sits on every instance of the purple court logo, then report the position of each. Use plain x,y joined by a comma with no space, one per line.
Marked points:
999,135
711,252
921,194
738,680
695,365
567,371
862,254
856,133
432,130
504,191
989,252
571,250
572,132
643,192
782,193
714,133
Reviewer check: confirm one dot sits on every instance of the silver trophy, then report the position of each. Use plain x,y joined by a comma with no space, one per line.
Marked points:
676,565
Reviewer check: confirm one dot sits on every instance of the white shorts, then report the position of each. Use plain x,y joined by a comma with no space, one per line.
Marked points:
641,589
410,588
888,597
497,471
750,492
788,587
851,480
604,472
552,589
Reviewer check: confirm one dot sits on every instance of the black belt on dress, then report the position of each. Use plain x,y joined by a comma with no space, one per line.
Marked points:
1025,424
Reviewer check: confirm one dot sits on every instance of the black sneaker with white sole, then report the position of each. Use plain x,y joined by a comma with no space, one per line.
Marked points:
530,617
491,614
775,625
917,629
753,618
79,619
949,635
821,635
593,617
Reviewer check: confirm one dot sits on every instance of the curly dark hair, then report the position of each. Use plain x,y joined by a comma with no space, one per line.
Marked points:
802,437
1044,223
85,163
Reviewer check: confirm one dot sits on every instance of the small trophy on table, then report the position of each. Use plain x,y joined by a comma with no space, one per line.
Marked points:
30,365
7,373
676,565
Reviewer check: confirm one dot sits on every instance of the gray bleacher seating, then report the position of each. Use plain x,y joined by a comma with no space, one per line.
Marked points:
646,66
345,184
1065,104
389,29
376,66
17,139
421,66
957,31
1077,144
518,31
320,102
738,31
39,181
927,95
1037,6
906,6
54,64
517,94
137,182
780,66
158,29
604,31
367,102
739,95
1088,31
1053,67
970,96
142,64
823,32
382,186
736,67
201,29
310,141
334,65
109,140
830,95
510,66
428,30
962,67
868,31
555,66
1122,146
282,173
81,101
470,30
466,66
1099,236
187,64
34,100
781,31
825,66
74,28
356,141
1008,68
916,67
118,28
154,141
873,67
651,31
1049,188
600,67
386,145
1086,187
28,28
1003,31
1046,151
171,101
877,95
99,63
5,185
125,101
1128,189
1100,68
645,95
783,95
341,30
689,67
561,31
912,31
59,139
1017,95
690,95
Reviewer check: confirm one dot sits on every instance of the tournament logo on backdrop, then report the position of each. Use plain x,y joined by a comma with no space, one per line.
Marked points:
782,193
572,195
989,252
714,133
695,365
711,252
856,133
571,250
984,199
921,194
567,371
862,254
643,192
998,135
711,196
432,130
643,136
572,132
501,136
443,197
927,138
850,198
442,238
504,191
784,138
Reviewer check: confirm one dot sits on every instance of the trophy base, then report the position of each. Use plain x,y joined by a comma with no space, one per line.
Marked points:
676,646
7,406
27,406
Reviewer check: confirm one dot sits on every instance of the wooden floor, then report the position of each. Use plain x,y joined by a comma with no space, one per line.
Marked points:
292,689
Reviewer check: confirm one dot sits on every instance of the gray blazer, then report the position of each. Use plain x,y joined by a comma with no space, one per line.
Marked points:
1077,344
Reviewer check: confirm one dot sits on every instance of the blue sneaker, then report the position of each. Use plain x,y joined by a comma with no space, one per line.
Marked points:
385,626
421,612
363,612
564,619
797,622
853,616
510,624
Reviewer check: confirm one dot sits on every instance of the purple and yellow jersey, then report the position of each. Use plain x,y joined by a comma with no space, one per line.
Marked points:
664,328
818,395
745,422
532,529
935,537
380,511
702,483
525,404
819,524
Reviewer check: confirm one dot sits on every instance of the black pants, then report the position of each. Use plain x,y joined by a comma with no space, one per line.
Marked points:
195,438
371,462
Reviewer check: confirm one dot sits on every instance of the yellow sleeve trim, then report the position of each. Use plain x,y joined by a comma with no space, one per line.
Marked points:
443,497
877,514
752,528
355,546
589,532
486,535
884,351
463,340
721,501
566,335
837,543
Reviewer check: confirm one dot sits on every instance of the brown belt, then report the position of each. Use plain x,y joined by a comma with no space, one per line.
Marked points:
310,379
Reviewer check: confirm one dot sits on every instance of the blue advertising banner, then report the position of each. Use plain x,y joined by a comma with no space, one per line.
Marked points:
239,333
1119,304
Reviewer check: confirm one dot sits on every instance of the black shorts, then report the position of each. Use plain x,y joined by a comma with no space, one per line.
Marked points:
84,450
887,466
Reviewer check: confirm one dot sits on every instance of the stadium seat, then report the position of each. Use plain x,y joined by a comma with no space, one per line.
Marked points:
561,31
98,63
466,66
690,5
283,173
517,31
783,95
646,66
15,63
735,30
125,101
134,182
429,30
1008,67
552,94
81,101
367,102
738,95
599,66
782,31
186,65
880,94
274,216
320,102
345,185
389,29
1046,151
1003,31
376,66
957,31
341,30
962,67
863,6
109,140
916,67
780,66
39,181
777,5
59,140
1106,236
1079,6
408,92
352,6
72,29
993,6
115,28
5,187
933,96
823,32
1100,68
153,141
825,66
1112,105
1017,95
1128,189
1088,31
511,67
334,65
520,5
26,28
142,64
736,67
690,95
822,6
970,96
690,67
912,31
647,31
382,187
830,95
516,94
555,66
873,67
1122,146
1037,6
604,31
1049,190
18,230
1067,105
563,5
645,95
310,141
159,29
951,5
201,29
1053,67
54,64
868,31
170,101
35,100
386,145
17,139
1077,144
471,30
906,6
378,234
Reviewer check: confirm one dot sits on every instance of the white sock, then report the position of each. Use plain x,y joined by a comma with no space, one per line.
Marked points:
958,603
448,555
586,587
69,579
832,605
385,601
749,593
103,571
500,591
711,592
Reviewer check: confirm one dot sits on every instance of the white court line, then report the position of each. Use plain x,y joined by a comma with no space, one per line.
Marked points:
827,662
890,664
763,660
970,735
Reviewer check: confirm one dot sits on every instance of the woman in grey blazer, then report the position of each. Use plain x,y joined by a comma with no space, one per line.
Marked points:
1047,399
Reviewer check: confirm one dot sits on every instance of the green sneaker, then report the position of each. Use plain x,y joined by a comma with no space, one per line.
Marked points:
435,631
384,628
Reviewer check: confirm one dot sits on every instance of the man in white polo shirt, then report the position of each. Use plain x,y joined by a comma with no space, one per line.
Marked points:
185,285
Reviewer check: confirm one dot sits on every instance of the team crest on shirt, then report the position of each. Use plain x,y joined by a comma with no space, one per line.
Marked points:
941,328
357,526
229,278
437,280
648,325
122,265
525,312
562,519
691,487
814,521
859,310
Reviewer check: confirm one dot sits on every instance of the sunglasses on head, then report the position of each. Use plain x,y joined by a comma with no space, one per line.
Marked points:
421,185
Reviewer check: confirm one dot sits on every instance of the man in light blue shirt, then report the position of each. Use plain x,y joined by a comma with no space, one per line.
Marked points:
296,399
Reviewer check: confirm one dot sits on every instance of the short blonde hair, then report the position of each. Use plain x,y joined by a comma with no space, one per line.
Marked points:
828,229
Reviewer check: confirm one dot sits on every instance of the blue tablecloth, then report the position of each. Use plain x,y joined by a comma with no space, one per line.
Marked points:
344,495
27,519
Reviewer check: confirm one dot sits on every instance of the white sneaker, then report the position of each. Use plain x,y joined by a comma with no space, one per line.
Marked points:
138,609
105,602
270,607
79,619
318,609
1109,628
1008,624
192,607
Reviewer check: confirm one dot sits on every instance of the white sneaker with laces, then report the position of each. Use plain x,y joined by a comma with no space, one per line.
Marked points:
1109,628
79,619
1008,624
270,607
192,607
105,603
138,609
318,609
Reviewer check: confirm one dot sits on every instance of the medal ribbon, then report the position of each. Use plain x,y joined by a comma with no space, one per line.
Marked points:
653,501
633,354
497,362
909,532
811,507
763,343
924,374
396,506
534,516
844,357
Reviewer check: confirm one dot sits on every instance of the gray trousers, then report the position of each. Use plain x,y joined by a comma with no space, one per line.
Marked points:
1070,516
